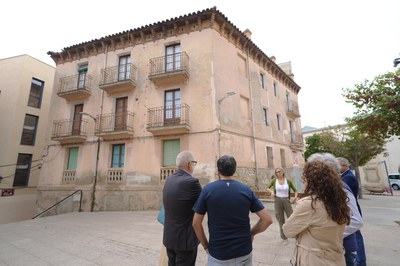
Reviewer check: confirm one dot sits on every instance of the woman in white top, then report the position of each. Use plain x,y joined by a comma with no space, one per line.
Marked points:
281,194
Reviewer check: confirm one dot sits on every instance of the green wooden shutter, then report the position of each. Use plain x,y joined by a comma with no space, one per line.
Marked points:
171,149
72,158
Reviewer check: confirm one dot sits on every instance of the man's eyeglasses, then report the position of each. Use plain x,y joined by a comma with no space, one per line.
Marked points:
194,163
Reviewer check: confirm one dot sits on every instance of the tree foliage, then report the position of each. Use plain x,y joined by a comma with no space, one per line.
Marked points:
378,105
348,142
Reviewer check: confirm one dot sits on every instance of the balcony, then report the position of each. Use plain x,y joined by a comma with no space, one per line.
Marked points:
166,172
295,141
76,87
169,70
69,131
168,120
114,126
118,79
292,110
69,176
115,176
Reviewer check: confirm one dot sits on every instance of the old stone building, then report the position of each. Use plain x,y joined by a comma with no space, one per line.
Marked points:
125,105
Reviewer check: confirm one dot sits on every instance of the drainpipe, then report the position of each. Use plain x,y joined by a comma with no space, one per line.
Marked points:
98,139
252,117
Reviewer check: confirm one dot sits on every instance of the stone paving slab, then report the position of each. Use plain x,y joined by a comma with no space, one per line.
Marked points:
134,238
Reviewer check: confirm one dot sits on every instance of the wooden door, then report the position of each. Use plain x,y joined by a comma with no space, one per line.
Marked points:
121,108
77,120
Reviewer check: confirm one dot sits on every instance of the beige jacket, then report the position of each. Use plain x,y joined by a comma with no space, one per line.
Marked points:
319,240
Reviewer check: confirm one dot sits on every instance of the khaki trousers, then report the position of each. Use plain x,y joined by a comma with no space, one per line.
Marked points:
282,206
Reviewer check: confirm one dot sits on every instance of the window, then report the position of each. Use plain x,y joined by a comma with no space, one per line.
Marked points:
172,110
118,156
244,107
77,120
82,70
279,121
262,81
265,114
124,68
121,109
283,158
22,170
276,89
29,130
171,149
35,95
72,158
173,57
270,157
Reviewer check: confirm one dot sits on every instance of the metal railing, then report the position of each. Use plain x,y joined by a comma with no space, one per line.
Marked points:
295,138
168,116
293,107
169,63
114,122
115,74
74,83
80,203
69,127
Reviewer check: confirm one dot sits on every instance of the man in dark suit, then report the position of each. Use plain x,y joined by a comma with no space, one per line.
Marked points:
351,180
181,191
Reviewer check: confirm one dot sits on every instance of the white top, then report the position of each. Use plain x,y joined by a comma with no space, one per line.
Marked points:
282,191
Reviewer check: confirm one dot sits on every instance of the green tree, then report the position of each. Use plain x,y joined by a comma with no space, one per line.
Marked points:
348,142
313,145
378,105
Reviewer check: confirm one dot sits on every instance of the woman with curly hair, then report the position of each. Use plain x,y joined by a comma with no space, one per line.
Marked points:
319,219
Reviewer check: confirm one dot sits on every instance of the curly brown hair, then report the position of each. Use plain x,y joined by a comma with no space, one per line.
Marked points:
324,184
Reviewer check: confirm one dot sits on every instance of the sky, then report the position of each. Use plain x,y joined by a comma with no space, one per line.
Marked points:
330,44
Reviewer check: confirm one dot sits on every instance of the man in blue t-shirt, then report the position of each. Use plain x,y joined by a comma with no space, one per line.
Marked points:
227,203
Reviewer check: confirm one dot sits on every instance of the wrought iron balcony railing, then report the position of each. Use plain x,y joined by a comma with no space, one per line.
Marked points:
118,74
168,116
295,140
74,84
108,123
69,127
170,63
292,109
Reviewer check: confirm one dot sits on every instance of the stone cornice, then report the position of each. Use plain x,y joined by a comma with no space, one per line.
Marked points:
207,19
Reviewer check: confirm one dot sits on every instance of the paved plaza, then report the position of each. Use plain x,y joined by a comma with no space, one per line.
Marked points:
134,238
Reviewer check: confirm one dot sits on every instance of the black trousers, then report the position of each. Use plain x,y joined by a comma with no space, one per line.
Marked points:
181,258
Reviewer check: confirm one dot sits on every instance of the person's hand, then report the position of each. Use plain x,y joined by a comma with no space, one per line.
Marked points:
293,200
272,194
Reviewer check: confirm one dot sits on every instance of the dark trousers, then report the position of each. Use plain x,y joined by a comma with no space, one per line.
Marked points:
349,258
181,258
361,259
282,206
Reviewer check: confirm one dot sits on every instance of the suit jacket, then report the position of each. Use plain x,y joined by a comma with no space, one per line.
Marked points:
181,191
319,239
351,180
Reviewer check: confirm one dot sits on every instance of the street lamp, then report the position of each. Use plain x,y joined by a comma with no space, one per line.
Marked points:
226,95
97,165
387,175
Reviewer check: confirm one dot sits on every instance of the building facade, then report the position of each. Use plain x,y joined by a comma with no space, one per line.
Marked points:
25,92
125,105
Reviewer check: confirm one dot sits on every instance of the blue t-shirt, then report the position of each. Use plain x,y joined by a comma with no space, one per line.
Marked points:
227,204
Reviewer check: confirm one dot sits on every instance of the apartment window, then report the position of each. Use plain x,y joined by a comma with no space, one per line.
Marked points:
72,158
245,107
283,158
279,121
270,157
172,110
262,81
173,57
276,89
35,94
118,156
77,120
121,110
288,101
29,130
124,68
171,149
82,70
265,114
22,170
